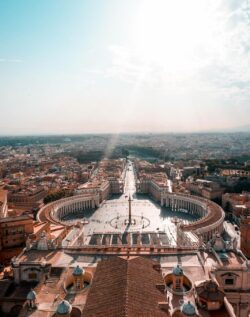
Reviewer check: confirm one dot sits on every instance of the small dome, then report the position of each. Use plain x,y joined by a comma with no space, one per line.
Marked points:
78,271
178,270
31,295
211,286
188,309
64,308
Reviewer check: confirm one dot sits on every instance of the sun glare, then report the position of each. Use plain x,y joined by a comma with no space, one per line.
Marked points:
170,33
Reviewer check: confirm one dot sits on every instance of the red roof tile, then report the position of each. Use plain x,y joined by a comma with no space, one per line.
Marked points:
125,288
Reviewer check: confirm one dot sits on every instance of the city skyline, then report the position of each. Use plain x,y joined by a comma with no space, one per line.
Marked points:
113,67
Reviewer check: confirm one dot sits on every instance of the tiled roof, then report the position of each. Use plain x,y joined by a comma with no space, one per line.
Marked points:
222,312
125,288
209,291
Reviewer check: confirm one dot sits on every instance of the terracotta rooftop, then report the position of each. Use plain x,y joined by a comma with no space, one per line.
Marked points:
125,288
16,219
210,291
3,195
219,313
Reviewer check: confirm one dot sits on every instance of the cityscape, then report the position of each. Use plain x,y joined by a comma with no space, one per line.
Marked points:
74,230
124,158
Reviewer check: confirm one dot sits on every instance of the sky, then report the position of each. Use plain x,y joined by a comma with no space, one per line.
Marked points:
94,66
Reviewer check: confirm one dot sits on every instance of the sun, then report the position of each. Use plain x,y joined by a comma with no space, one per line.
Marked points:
173,34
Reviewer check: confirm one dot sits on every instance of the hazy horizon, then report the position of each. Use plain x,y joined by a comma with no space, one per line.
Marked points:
125,133
92,67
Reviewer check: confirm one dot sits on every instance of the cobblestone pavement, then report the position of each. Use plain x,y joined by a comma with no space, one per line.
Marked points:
109,221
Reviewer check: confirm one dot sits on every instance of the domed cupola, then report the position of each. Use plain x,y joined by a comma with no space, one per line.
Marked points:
211,286
177,282
64,309
209,295
178,271
178,278
78,271
78,275
188,309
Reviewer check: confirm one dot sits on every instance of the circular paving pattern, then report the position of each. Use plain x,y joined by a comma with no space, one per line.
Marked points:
137,222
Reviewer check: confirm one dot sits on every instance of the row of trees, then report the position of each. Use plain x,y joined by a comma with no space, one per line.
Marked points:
117,152
215,165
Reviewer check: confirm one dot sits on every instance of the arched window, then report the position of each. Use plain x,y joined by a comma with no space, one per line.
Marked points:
229,279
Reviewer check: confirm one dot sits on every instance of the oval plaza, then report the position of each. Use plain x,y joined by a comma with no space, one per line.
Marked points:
132,246
160,217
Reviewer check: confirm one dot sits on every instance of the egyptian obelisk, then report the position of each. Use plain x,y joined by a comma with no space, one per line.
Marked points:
129,210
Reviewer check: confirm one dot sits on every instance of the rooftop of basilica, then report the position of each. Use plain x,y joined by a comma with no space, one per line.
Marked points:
153,253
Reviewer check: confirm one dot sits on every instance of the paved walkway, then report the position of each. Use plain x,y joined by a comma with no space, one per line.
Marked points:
148,216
